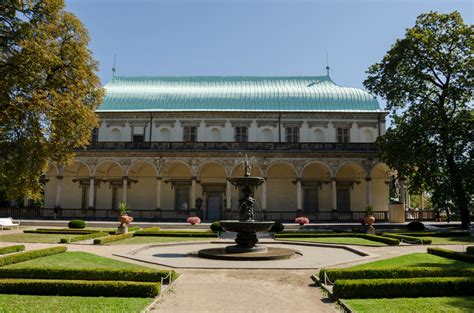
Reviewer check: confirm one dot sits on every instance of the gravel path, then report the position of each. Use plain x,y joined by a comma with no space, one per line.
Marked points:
234,291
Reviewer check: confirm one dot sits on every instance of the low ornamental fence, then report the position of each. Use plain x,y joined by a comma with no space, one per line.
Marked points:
180,216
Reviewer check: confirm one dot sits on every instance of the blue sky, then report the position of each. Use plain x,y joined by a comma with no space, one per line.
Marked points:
259,37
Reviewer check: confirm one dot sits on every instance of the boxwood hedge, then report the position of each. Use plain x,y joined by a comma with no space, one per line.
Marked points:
334,274
408,239
86,274
60,231
389,241
175,233
435,234
460,256
112,238
83,237
79,288
404,288
29,255
11,249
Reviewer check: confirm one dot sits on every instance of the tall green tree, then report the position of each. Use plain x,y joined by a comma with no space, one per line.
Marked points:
427,81
49,91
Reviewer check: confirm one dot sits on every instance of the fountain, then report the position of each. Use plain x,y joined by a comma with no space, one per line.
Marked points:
246,227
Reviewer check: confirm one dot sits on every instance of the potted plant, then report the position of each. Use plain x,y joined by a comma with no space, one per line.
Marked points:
302,220
193,220
123,210
369,218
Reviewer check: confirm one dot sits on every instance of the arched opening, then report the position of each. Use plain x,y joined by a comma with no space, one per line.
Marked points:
212,189
379,187
176,187
75,185
350,188
109,185
142,192
281,188
316,187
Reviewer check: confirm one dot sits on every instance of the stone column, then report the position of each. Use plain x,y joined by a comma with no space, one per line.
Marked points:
264,195
125,187
91,191
368,182
158,192
26,202
298,194
228,196
333,193
192,197
59,181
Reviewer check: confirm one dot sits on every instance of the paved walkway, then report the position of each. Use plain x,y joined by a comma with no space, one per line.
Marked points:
240,290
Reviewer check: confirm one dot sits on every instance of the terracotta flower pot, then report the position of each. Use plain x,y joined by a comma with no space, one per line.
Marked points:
125,219
369,220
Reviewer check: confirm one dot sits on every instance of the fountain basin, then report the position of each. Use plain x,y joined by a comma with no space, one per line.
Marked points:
247,181
246,226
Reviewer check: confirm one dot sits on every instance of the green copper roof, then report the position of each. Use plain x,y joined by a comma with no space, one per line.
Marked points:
233,93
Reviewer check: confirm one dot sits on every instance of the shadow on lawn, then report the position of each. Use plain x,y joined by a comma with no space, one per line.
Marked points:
465,304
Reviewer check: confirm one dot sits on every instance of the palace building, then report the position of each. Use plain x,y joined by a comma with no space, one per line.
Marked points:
166,146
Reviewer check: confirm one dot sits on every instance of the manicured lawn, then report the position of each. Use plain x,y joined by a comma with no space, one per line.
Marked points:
444,304
450,240
414,260
156,239
38,238
26,303
76,260
339,240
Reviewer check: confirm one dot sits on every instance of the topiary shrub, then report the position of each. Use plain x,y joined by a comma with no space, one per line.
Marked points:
278,227
216,226
77,224
470,250
416,226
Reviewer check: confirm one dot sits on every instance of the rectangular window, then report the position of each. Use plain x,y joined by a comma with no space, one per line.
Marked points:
138,138
343,198
181,198
343,135
190,133
95,135
311,203
241,134
292,134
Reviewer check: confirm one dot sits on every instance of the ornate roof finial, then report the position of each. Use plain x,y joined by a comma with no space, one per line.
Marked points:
327,64
114,68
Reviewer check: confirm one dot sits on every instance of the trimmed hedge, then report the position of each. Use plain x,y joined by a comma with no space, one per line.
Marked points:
470,250
83,237
404,288
389,241
85,274
408,239
277,227
333,274
175,233
79,288
60,231
112,238
216,226
11,249
77,224
416,226
436,234
29,255
460,256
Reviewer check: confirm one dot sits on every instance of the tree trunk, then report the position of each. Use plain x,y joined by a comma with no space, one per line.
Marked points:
460,199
